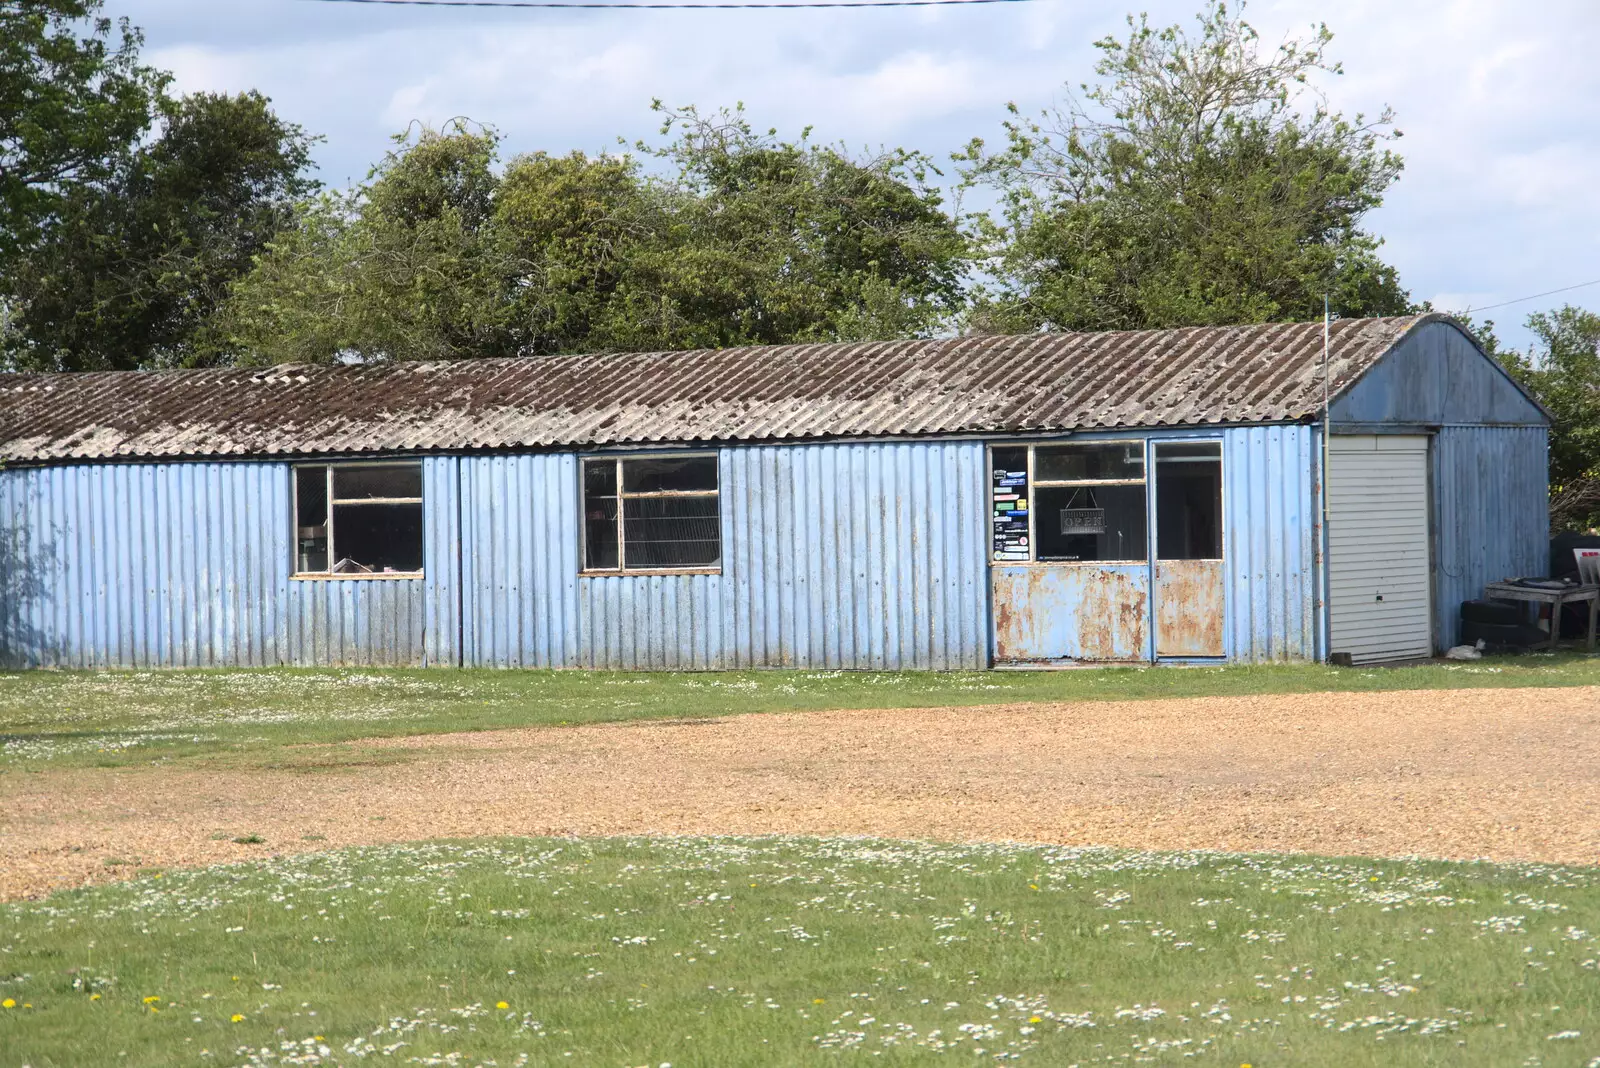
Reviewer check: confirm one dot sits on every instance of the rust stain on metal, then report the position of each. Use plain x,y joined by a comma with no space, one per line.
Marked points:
1070,613
1005,625
1016,636
991,384
1189,608
1111,618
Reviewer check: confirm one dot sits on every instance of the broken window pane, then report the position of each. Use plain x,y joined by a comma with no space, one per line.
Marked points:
669,509
377,538
359,538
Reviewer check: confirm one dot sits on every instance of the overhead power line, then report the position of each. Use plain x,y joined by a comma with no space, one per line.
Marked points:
1533,296
634,5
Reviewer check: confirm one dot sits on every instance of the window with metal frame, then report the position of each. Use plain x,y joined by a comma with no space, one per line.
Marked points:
651,513
1070,503
358,520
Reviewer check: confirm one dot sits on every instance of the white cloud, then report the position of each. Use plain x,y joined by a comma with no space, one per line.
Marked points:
1500,103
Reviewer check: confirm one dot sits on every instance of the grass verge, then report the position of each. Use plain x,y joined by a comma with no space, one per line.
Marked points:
723,952
114,718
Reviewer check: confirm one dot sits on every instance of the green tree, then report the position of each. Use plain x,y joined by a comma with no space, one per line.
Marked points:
776,241
134,263
574,230
745,239
1562,370
1189,185
406,266
74,101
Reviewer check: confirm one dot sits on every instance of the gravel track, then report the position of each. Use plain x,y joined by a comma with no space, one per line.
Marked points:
1499,774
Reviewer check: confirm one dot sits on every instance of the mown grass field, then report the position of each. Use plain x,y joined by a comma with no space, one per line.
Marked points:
115,718
719,952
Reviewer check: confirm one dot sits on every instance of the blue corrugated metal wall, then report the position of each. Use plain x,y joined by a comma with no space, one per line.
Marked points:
519,560
1270,551
186,565
863,555
834,556
1491,513
839,555
1435,377
441,542
143,565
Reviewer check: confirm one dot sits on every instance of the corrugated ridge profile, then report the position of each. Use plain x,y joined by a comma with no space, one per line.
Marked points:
992,384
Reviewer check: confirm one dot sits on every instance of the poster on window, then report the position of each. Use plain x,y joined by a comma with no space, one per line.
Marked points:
1009,514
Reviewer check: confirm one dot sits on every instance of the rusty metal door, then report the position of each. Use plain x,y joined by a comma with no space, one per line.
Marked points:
1189,589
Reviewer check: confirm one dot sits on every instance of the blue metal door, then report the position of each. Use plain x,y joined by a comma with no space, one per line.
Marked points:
1188,585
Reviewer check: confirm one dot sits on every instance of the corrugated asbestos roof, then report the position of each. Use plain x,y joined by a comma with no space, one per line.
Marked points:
1017,384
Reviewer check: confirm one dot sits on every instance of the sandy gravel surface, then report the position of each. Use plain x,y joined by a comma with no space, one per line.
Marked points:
1504,774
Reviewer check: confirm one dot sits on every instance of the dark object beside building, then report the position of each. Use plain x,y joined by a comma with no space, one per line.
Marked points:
1562,563
1500,625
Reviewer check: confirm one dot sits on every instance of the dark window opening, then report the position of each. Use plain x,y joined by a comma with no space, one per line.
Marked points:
651,514
377,538
672,532
358,519
600,534
695,474
1109,461
311,518
1189,501
1091,523
392,481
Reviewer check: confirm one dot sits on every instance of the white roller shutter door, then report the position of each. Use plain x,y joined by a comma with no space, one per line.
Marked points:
1378,547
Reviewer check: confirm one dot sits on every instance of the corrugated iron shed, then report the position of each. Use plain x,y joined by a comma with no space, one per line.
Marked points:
994,384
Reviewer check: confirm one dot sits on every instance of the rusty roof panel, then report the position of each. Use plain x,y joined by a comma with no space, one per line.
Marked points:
992,384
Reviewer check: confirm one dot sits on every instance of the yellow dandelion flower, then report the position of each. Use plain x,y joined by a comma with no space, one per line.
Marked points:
8,1003
1033,886
94,997
236,1017
316,1038
1036,1019
817,1001
502,1005
152,999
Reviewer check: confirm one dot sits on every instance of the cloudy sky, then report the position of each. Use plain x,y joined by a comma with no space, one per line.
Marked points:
1498,100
